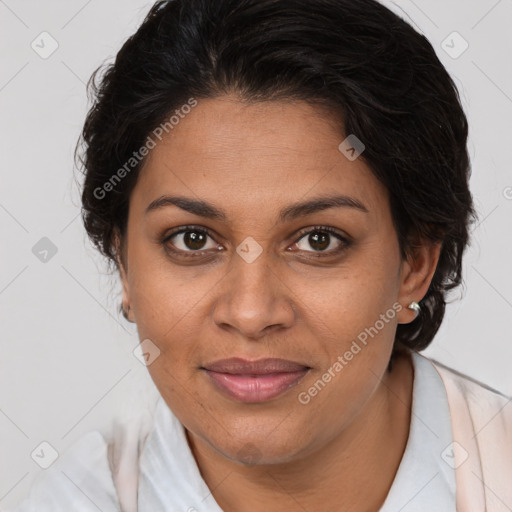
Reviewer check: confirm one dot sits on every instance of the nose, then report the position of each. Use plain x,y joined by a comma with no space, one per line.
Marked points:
254,300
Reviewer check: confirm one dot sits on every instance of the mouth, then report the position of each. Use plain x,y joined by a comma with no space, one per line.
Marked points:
254,381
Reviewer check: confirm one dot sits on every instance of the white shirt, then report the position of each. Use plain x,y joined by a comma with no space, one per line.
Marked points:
425,479
170,481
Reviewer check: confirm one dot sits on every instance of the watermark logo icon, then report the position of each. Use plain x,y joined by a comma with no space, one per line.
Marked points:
454,455
454,45
44,45
146,352
352,147
44,455
249,249
249,454
44,250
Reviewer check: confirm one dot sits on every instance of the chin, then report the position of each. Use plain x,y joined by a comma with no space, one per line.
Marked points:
260,450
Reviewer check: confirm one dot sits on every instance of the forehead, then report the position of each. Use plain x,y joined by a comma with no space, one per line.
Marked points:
250,157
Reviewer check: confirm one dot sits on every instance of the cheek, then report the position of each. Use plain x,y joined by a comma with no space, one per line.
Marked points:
166,298
339,394
350,301
353,322
354,334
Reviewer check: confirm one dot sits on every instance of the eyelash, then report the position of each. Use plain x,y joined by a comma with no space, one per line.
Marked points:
187,254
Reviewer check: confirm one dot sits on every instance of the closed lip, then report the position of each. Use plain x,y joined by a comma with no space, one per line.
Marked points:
241,366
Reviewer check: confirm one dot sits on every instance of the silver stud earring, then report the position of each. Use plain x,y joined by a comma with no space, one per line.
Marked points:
415,307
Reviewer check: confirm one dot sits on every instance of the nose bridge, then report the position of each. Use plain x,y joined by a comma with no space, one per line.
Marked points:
253,298
254,274
251,288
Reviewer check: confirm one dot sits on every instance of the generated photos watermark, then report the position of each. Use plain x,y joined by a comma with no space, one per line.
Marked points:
143,151
342,361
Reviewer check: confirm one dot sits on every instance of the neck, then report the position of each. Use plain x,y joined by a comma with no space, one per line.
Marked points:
353,472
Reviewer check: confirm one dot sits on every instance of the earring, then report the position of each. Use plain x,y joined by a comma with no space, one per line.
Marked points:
415,307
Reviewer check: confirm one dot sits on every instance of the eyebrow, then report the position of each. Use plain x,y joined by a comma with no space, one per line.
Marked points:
291,212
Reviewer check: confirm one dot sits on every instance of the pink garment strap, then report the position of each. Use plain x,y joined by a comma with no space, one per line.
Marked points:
123,455
126,440
482,433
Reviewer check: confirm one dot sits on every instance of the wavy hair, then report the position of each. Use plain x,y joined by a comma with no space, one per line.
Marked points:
357,58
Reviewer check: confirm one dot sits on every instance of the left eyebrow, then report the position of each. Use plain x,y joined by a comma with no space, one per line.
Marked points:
318,204
291,212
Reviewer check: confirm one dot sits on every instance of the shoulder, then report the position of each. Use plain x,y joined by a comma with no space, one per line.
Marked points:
471,388
475,404
100,470
481,420
80,479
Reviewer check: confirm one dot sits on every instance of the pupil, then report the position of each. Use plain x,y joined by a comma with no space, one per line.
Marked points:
194,240
319,240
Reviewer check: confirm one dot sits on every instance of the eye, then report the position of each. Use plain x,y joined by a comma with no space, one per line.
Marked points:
322,239
189,239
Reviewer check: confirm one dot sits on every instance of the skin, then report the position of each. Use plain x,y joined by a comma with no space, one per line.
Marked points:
341,450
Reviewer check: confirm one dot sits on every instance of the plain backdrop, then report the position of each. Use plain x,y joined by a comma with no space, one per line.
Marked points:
66,354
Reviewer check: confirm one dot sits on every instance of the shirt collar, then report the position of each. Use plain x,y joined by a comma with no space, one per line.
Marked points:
425,479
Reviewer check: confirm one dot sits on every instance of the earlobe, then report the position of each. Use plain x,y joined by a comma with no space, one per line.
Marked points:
126,301
126,304
416,276
126,290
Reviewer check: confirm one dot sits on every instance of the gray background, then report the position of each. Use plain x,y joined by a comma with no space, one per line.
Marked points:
66,355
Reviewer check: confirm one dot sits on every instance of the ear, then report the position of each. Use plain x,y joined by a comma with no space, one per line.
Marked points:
120,258
416,275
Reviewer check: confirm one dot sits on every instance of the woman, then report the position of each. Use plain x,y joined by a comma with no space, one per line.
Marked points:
283,188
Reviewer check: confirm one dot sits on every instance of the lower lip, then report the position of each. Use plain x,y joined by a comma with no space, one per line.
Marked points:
259,388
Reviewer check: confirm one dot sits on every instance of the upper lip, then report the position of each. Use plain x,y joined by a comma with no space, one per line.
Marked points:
240,366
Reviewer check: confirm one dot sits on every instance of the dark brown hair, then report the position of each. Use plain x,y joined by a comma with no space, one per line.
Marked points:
368,66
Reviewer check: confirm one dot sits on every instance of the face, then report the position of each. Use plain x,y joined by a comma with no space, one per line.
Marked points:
238,268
